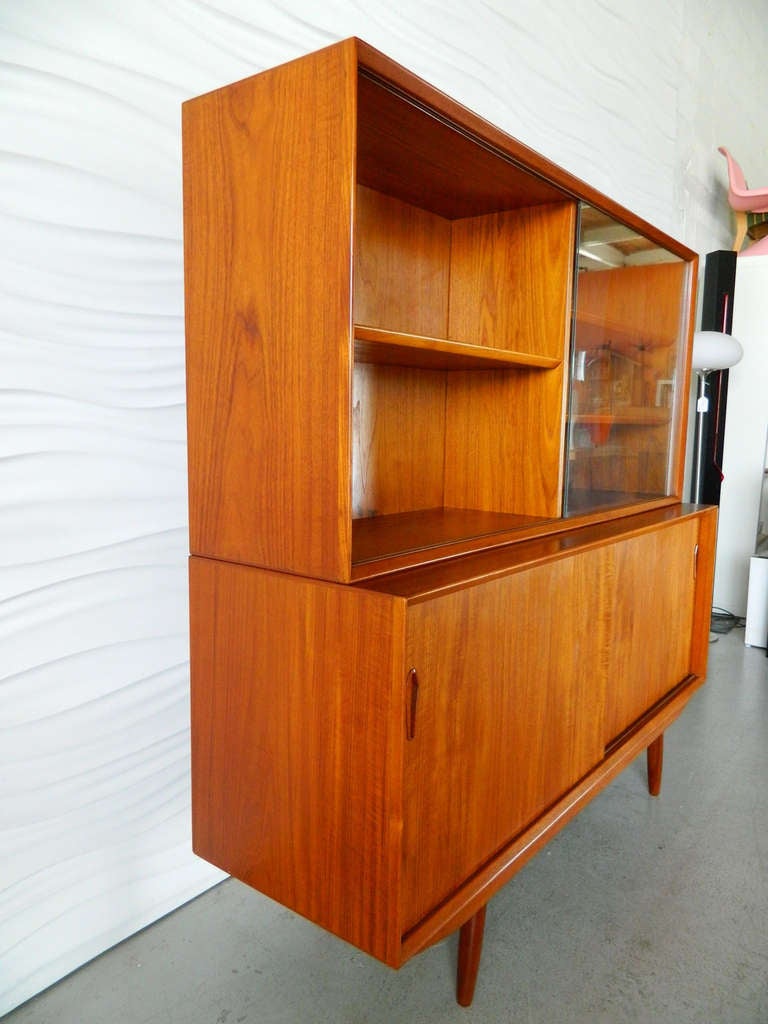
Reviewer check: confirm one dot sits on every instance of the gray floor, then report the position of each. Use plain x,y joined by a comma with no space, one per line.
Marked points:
641,910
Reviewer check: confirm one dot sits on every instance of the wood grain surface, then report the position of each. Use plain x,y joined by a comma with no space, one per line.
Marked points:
511,676
268,203
297,725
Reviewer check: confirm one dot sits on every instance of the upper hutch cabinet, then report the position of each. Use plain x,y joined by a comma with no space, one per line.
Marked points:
379,296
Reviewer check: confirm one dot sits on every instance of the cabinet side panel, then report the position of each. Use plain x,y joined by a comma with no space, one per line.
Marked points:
511,675
705,575
296,742
268,195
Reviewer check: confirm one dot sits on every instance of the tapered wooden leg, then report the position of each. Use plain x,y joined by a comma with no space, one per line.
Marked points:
470,948
655,756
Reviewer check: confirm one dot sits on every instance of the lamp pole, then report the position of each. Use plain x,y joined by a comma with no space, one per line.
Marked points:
702,408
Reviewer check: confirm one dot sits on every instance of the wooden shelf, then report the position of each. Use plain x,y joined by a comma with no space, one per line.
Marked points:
634,415
418,582
599,499
374,345
376,537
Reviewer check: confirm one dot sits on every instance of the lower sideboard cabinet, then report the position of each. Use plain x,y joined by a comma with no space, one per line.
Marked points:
382,757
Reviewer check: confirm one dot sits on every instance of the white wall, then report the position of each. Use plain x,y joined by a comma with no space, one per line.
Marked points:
633,97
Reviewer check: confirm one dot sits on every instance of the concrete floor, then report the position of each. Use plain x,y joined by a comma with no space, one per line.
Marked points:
641,910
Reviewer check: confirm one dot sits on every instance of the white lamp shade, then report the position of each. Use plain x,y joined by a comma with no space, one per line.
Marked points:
713,350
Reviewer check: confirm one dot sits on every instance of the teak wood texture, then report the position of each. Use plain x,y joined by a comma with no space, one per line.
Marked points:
322,781
508,718
371,200
411,663
631,308
297,712
268,173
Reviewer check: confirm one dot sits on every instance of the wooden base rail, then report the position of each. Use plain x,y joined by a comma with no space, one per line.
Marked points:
457,910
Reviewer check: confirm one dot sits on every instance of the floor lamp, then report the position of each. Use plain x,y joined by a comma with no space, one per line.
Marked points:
712,350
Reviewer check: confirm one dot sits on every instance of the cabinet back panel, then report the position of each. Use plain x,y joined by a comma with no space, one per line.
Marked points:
487,440
398,439
510,288
504,441
615,473
632,306
511,279
401,266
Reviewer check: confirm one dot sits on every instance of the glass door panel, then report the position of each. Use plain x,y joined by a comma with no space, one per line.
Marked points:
626,364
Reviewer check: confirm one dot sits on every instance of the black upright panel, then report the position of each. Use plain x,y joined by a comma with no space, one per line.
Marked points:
716,315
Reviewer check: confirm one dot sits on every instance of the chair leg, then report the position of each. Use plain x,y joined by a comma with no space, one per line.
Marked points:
655,759
741,230
470,948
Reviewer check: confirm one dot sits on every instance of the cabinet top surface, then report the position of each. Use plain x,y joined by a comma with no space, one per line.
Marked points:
428,581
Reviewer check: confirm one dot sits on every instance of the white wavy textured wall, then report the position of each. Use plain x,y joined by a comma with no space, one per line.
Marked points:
94,791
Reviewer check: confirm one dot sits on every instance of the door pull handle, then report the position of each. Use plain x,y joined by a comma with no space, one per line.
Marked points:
410,706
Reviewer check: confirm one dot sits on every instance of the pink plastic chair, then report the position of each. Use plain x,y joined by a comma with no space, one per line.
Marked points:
743,200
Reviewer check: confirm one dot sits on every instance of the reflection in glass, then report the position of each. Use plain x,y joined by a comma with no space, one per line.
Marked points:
626,360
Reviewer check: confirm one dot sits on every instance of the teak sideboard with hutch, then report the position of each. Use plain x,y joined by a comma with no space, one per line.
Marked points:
443,588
